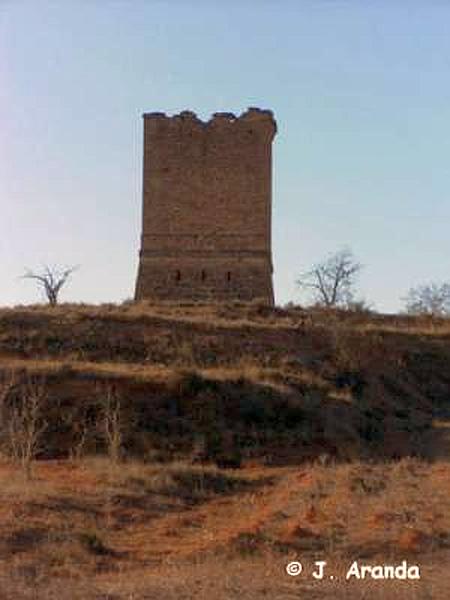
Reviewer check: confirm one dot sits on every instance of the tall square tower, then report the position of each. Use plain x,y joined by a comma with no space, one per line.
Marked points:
206,231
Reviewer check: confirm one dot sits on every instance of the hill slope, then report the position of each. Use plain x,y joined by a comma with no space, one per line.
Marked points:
279,385
339,422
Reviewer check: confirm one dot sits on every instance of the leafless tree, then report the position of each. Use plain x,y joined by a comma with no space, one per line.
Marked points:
429,299
22,419
51,280
332,281
113,423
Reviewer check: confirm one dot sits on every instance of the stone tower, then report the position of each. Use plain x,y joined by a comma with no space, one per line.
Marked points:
206,231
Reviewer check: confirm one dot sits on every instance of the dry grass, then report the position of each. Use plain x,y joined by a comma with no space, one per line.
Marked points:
316,404
234,315
358,382
142,531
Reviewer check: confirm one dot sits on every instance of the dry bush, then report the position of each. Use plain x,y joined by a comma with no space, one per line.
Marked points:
113,421
22,419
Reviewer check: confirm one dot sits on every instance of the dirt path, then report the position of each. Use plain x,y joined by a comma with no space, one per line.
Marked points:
212,525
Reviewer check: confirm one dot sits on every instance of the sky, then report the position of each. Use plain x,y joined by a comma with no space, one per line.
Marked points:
360,90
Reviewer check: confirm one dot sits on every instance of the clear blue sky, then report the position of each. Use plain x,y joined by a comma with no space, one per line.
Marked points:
360,90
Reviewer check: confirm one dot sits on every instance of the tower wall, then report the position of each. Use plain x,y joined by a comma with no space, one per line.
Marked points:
206,231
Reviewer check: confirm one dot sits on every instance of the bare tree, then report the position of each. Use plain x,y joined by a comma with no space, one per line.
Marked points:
429,299
332,281
113,423
22,419
51,280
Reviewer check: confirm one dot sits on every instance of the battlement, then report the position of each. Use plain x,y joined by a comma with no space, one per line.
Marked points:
260,119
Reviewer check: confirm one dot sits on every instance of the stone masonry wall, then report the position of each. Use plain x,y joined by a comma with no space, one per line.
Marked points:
206,231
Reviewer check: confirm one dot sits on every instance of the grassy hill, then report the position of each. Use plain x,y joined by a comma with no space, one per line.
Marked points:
250,436
289,385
